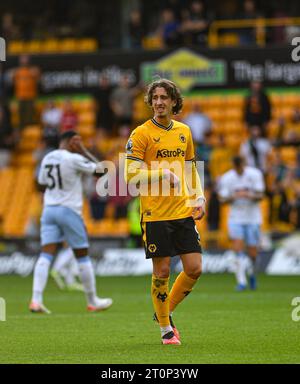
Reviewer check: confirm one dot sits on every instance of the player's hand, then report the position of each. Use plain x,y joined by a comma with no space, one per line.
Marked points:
172,178
241,194
199,211
76,144
99,167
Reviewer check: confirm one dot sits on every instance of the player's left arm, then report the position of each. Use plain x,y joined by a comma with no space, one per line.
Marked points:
255,195
193,181
40,187
258,191
85,166
41,181
86,162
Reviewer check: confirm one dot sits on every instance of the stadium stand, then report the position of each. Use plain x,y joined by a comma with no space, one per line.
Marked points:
104,27
228,132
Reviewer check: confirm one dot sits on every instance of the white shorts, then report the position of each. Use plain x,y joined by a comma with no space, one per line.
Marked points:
250,233
60,224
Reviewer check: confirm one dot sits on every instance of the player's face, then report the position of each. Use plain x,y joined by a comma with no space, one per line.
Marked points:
162,103
75,144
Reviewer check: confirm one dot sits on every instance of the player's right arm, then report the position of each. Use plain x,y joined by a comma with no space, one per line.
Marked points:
135,171
83,165
41,182
257,193
224,191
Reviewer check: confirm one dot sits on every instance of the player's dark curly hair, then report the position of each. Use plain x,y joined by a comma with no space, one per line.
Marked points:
171,89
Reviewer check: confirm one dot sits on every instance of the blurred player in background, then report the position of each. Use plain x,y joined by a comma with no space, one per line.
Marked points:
167,220
243,188
60,176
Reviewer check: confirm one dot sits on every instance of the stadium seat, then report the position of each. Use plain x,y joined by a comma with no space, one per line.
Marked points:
106,227
215,101
229,40
286,112
7,178
233,114
224,220
87,118
234,128
17,213
87,45
34,46
291,100
152,42
265,209
67,45
273,129
84,105
215,114
32,132
234,101
50,45
233,142
289,155
220,161
121,227
276,99
27,145
86,131
16,47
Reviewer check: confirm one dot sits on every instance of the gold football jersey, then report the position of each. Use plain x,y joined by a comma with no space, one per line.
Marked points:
160,147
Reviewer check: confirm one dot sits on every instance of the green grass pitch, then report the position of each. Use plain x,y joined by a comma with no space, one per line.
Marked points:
217,324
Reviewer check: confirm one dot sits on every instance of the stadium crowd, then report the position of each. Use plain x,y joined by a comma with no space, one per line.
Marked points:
115,118
174,22
180,23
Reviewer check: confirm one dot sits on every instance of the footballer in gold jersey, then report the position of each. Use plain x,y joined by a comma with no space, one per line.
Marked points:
160,160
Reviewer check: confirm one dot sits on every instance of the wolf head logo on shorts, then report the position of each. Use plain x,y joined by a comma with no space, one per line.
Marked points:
152,248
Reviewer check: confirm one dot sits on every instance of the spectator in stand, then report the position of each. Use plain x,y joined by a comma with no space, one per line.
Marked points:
295,208
195,23
295,119
117,202
203,152
69,119
7,137
51,132
256,149
9,30
2,82
257,107
26,79
49,142
121,102
169,28
136,29
276,169
278,34
118,144
104,118
283,196
213,209
280,208
199,123
51,116
249,12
